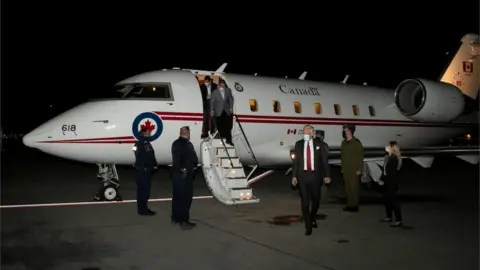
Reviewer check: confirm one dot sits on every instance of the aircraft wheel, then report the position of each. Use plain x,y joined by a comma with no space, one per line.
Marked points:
110,193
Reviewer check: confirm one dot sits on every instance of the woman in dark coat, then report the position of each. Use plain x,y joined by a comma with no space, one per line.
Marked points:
389,181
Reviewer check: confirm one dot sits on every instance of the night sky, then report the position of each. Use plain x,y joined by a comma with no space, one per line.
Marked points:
62,55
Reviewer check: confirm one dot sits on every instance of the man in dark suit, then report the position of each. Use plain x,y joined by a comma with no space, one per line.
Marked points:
207,88
221,107
184,162
310,170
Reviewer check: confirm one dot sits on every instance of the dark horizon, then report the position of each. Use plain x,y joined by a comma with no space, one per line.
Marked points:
65,58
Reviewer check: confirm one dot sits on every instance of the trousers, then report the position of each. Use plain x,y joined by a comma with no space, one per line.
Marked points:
352,186
207,123
391,200
224,126
182,196
310,190
144,183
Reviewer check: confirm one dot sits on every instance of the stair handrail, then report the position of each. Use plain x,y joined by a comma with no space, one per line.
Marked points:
246,140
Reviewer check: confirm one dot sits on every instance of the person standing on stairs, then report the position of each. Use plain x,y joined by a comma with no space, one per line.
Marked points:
221,107
207,88
185,161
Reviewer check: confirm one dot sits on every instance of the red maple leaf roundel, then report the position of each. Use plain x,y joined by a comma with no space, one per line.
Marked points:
148,126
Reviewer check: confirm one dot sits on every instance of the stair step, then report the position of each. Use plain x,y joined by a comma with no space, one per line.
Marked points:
225,162
218,143
237,183
236,177
241,193
222,152
235,173
253,200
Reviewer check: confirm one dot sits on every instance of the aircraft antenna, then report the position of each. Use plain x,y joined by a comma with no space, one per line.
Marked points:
302,77
345,80
475,50
222,67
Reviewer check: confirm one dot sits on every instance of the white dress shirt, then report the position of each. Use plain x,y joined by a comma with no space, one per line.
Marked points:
222,92
309,144
209,87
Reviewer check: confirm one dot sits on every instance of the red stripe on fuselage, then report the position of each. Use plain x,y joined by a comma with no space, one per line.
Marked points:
103,142
268,119
92,140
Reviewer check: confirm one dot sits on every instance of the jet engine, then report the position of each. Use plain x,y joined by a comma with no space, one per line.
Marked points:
429,101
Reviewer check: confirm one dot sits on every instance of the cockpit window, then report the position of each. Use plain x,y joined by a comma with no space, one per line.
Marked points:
154,91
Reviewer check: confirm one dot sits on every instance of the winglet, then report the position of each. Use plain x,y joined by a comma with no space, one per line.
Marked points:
302,77
222,67
345,80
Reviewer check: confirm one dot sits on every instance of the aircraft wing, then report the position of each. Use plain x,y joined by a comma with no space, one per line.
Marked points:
416,152
424,156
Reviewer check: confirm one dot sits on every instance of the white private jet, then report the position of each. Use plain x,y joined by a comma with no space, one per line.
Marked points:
269,114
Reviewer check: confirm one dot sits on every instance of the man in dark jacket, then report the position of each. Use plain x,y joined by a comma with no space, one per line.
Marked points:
185,161
145,164
207,88
352,165
310,170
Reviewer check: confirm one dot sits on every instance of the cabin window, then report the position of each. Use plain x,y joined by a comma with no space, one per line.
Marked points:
372,110
356,110
156,91
276,106
336,107
253,105
297,106
318,108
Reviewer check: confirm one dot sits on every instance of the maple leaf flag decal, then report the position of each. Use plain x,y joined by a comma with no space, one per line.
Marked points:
148,126
467,67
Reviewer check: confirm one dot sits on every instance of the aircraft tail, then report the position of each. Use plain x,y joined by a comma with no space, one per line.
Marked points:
463,71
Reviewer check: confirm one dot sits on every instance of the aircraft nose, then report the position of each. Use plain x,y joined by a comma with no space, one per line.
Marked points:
28,140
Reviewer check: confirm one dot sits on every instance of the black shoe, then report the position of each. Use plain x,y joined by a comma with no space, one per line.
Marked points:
191,223
314,225
173,220
151,212
308,231
396,224
350,209
230,143
386,220
184,226
146,213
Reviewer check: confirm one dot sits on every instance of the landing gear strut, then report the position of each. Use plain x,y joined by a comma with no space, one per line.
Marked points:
109,183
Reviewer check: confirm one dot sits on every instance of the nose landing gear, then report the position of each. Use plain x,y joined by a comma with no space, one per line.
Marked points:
108,176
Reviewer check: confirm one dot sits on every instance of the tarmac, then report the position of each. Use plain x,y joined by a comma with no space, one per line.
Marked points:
440,209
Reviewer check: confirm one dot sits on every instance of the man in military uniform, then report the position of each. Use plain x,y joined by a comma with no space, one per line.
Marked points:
352,164
320,137
145,164
185,161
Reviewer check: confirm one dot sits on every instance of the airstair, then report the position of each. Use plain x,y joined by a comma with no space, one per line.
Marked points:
223,170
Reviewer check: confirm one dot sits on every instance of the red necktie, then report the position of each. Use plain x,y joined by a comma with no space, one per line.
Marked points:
309,162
